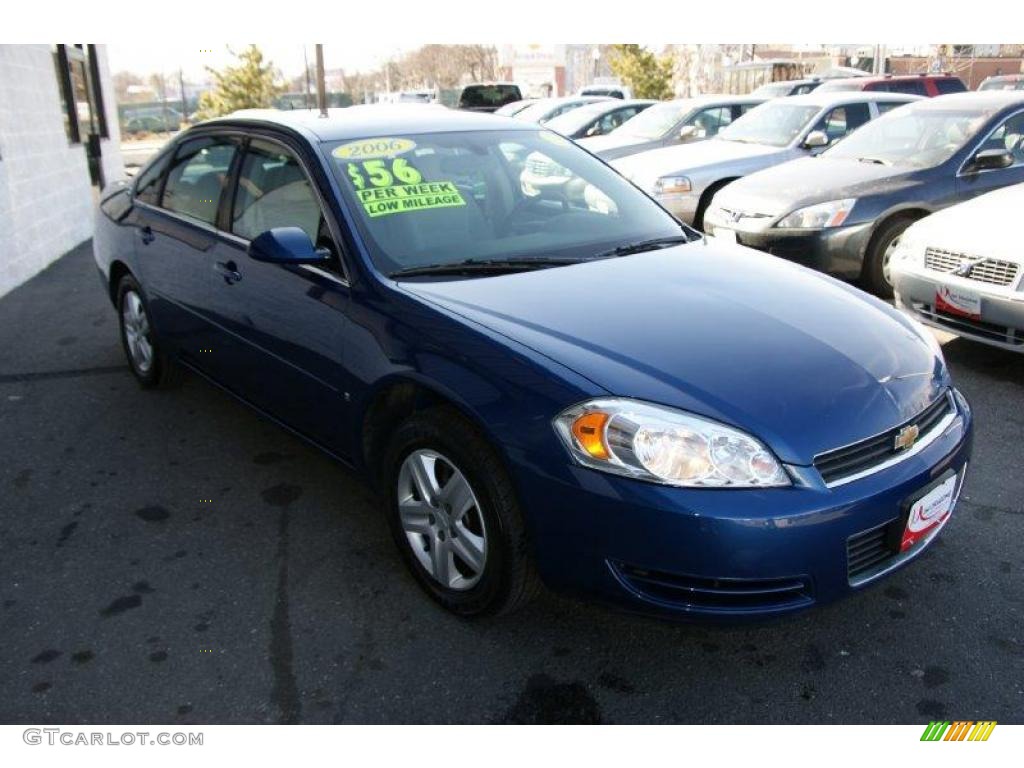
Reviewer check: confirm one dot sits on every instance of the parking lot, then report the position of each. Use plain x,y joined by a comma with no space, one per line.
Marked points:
171,557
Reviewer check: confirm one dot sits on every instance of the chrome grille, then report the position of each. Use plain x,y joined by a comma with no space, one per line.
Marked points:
992,271
837,465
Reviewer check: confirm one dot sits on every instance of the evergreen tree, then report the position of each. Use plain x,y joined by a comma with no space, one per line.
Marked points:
650,76
252,83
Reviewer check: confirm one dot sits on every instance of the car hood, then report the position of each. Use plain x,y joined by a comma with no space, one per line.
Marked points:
718,330
809,180
983,226
644,168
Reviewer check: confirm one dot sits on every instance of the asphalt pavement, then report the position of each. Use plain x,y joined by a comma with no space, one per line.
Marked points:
170,557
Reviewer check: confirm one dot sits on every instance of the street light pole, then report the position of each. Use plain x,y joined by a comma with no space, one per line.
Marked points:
321,89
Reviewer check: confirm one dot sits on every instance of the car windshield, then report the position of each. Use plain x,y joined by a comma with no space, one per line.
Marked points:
773,89
488,196
654,122
569,122
917,136
488,95
541,110
774,124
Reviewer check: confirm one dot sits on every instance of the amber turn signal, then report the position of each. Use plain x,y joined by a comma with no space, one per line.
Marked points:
588,430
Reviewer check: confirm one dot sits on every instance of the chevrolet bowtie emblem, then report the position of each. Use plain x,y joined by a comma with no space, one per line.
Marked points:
906,437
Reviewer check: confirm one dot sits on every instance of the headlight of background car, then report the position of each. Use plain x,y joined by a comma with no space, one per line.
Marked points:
663,445
820,216
672,185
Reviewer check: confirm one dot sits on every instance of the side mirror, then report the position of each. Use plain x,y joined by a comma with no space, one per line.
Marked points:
286,245
688,132
990,159
816,140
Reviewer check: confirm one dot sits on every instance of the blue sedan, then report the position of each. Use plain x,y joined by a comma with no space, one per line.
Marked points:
547,383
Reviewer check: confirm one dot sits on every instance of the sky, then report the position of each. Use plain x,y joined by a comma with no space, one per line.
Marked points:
357,54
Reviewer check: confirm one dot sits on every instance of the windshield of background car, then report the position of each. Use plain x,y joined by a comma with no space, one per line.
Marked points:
569,122
773,89
489,95
775,124
440,198
912,136
654,122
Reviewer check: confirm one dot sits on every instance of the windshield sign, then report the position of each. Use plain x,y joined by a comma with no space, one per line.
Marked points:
488,196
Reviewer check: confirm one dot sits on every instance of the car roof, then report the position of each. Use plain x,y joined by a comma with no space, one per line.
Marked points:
598,107
983,100
366,120
836,98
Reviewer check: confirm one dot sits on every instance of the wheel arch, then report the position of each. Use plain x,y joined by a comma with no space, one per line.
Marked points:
911,212
392,401
705,199
118,269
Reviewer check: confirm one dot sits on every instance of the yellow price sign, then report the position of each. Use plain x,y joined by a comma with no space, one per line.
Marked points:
369,149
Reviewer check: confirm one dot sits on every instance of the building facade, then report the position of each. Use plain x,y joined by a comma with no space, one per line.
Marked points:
59,143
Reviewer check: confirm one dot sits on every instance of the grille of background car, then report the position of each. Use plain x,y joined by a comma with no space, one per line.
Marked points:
992,271
1001,334
842,463
699,592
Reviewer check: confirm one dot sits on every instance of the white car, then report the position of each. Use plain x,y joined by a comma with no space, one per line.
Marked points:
962,269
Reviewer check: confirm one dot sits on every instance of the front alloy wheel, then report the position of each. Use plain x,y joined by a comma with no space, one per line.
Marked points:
441,518
454,516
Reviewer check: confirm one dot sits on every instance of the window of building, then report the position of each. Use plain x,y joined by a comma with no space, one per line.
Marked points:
82,99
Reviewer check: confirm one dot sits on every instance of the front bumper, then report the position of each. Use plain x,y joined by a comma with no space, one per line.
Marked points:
838,251
1001,321
682,205
718,554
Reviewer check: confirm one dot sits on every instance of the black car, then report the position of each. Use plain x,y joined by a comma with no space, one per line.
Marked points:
488,97
843,211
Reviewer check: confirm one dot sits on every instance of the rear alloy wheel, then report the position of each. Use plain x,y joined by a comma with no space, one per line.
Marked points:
149,364
454,515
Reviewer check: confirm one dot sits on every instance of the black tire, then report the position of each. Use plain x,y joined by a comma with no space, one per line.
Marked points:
873,271
508,580
162,372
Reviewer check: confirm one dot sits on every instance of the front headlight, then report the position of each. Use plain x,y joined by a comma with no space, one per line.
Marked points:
663,445
820,216
672,185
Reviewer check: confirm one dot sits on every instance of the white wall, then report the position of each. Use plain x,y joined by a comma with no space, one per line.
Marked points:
46,200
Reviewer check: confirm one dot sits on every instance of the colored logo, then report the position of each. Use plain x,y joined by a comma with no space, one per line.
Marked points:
961,730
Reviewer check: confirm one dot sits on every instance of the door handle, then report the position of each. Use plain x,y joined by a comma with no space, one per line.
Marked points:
228,270
147,235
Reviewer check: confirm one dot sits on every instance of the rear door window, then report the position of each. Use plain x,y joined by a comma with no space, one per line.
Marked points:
950,85
916,87
197,177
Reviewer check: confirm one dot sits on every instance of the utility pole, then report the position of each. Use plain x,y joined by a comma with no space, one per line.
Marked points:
181,90
305,72
321,89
